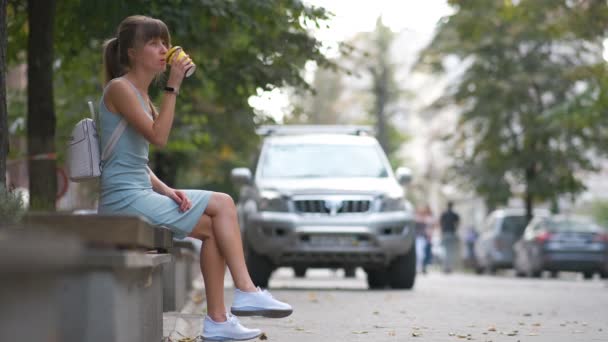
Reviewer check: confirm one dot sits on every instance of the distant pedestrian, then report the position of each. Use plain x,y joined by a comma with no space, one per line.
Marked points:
449,225
470,240
424,228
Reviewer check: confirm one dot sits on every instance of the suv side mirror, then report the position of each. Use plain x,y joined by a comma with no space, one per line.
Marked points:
404,175
241,176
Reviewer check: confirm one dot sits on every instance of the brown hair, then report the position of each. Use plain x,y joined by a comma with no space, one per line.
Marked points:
133,31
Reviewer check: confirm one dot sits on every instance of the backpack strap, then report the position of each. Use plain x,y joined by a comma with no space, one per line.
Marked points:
120,128
107,151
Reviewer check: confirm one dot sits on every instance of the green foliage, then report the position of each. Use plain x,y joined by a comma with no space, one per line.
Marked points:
238,46
532,93
11,206
599,211
596,209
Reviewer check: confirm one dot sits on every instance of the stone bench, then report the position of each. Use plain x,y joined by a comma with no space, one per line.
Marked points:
82,278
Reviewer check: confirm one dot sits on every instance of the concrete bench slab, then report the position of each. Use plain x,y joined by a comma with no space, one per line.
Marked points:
105,230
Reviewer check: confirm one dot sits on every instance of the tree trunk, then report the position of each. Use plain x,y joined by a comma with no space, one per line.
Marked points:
381,99
529,196
40,106
3,109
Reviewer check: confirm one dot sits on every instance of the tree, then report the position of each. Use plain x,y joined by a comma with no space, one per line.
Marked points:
238,46
40,104
372,62
3,111
532,94
384,87
321,105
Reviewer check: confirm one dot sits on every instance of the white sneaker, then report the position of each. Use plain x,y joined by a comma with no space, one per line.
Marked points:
260,303
230,330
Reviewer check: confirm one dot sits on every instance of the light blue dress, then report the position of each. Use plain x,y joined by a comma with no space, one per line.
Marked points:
125,184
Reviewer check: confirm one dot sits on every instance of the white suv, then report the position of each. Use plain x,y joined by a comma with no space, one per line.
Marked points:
326,197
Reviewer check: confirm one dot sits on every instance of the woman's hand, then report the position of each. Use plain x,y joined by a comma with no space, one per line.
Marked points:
178,71
180,198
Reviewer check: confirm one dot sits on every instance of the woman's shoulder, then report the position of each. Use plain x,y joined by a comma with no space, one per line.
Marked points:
116,84
117,92
119,88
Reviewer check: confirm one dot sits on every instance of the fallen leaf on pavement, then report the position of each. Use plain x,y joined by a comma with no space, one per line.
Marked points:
360,332
197,298
263,337
313,297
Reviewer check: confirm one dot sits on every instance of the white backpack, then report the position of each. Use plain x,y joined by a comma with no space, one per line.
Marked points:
83,159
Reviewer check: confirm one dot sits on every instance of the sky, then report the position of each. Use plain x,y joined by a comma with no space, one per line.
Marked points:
353,16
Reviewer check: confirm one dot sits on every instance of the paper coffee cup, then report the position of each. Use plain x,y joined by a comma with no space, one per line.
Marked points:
177,53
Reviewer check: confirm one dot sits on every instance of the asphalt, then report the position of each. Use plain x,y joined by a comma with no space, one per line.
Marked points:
455,307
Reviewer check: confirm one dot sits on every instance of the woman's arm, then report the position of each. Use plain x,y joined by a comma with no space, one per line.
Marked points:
158,185
121,98
177,195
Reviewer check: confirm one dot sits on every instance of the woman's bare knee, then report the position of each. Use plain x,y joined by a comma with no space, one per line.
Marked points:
203,229
220,203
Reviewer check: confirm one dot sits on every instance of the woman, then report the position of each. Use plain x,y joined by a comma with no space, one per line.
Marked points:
132,60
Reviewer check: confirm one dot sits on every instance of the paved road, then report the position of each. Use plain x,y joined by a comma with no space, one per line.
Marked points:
457,307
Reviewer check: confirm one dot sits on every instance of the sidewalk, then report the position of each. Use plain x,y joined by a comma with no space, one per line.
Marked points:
186,325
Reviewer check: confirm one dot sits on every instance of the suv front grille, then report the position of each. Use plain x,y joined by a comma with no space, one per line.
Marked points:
332,206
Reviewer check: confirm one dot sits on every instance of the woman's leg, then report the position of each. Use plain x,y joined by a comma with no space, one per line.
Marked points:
227,234
213,267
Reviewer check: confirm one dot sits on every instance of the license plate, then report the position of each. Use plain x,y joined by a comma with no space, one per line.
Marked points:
568,245
332,241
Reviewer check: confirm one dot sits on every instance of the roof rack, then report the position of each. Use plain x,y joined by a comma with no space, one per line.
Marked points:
267,130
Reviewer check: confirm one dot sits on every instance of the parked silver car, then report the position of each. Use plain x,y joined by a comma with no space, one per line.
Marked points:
562,243
326,200
502,228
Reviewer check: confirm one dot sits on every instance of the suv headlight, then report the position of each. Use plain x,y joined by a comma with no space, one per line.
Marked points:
388,203
272,201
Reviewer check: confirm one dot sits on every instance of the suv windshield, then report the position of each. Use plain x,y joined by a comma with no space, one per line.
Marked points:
322,161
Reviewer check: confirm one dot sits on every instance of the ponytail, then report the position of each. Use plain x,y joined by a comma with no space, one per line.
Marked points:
111,60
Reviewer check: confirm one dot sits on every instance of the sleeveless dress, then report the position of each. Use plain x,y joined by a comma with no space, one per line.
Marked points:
125,183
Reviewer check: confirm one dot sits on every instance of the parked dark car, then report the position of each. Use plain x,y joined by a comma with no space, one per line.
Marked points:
502,228
562,243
